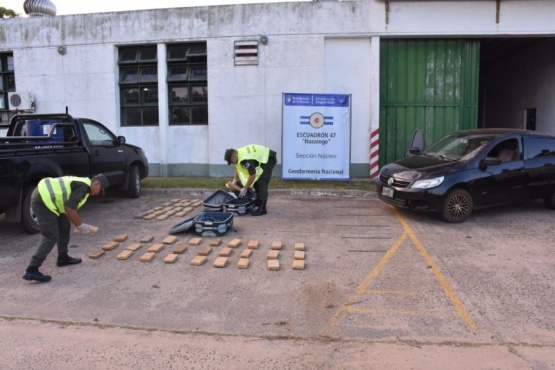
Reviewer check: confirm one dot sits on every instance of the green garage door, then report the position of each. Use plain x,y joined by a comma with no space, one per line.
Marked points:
427,84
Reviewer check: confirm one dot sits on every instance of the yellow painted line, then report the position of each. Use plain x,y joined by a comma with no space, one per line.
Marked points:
381,311
385,259
362,286
462,311
447,290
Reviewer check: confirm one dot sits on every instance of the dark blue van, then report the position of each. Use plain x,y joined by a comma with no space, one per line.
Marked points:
472,169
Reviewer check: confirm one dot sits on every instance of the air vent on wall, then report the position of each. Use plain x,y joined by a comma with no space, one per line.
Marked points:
21,101
246,53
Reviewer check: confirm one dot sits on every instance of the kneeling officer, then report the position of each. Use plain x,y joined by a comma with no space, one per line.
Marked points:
253,166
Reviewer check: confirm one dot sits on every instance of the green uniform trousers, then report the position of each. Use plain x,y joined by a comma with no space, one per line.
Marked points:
54,230
261,185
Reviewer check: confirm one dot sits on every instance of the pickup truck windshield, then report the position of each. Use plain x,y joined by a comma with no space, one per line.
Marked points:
459,147
97,135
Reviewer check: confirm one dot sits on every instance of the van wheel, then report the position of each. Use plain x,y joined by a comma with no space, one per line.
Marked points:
550,201
29,222
134,182
457,206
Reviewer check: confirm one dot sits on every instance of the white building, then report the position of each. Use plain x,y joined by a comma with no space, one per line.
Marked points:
435,65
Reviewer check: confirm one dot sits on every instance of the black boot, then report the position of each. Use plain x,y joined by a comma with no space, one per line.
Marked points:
65,260
261,210
33,273
255,206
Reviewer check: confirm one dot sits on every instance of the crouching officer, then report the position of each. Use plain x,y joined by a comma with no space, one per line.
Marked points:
253,166
55,202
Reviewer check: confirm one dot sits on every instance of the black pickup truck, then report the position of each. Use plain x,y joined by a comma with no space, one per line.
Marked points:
50,145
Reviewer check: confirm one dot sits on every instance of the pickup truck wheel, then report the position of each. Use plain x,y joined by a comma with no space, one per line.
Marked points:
550,201
457,206
29,222
134,183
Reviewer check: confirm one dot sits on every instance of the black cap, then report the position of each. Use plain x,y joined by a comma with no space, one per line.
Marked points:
228,154
101,178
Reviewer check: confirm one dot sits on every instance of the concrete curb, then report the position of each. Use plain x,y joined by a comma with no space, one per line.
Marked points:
273,192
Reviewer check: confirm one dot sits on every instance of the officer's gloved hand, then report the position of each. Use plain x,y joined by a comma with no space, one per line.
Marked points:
243,192
84,228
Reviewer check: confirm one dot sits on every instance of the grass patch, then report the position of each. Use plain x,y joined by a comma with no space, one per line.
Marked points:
276,183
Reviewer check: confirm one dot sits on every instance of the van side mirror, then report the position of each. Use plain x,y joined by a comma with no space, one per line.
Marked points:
121,140
489,161
416,144
414,150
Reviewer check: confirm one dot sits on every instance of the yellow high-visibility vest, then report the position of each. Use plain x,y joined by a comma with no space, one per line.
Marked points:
55,192
251,152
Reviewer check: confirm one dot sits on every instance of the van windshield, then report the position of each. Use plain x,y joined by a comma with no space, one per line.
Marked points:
458,146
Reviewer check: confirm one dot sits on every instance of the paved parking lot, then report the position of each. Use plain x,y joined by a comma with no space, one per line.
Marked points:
382,288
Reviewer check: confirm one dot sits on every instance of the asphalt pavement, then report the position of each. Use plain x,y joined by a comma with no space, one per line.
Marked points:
381,288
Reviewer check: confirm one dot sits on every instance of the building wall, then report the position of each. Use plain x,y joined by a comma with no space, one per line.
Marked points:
245,101
347,71
327,46
463,18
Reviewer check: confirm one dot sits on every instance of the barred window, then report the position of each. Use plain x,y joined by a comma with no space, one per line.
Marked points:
138,84
187,83
7,79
